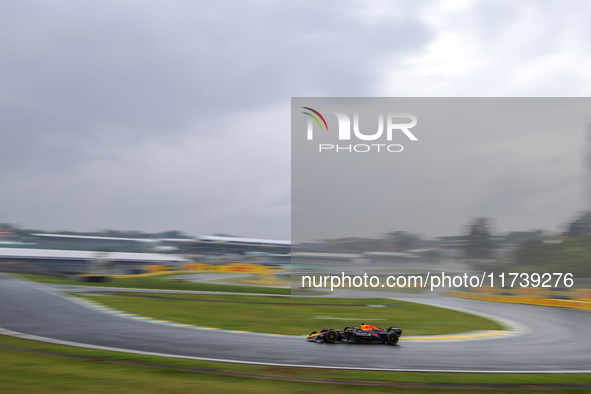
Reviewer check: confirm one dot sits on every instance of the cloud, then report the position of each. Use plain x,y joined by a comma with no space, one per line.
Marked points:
128,114
500,48
150,115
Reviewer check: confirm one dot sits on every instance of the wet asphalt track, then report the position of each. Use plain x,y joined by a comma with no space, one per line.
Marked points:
560,339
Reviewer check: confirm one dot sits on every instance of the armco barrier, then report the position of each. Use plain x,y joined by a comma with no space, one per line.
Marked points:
563,303
196,268
231,268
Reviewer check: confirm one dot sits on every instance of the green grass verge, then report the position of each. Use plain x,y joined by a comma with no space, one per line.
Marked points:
163,282
21,371
296,316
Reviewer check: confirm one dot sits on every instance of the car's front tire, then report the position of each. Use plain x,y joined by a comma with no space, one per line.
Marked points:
331,336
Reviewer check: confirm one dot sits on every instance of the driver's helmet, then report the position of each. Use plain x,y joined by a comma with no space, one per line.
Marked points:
367,327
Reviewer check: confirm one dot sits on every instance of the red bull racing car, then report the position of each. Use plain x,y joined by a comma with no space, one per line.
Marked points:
365,333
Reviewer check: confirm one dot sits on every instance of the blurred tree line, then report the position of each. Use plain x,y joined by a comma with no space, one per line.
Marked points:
479,245
571,253
532,251
568,255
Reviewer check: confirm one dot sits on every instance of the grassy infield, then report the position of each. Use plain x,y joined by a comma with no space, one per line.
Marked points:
295,316
61,371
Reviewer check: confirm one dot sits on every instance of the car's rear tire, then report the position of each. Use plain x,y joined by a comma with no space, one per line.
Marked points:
331,336
392,338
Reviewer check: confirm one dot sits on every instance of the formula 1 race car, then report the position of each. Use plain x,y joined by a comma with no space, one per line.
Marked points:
362,334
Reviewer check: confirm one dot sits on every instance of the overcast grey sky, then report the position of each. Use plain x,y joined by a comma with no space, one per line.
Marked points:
151,115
